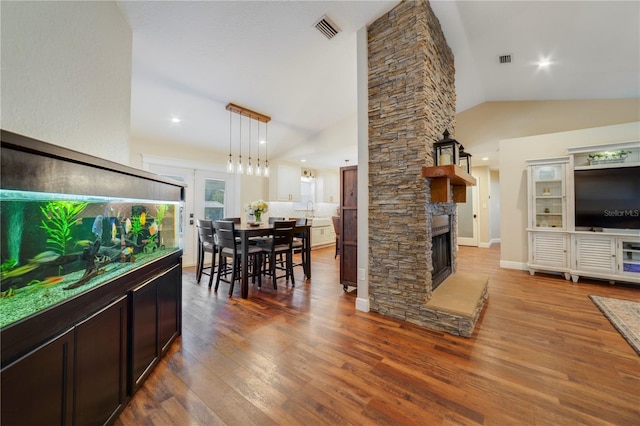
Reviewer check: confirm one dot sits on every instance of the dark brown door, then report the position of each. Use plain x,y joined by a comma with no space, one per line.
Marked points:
349,226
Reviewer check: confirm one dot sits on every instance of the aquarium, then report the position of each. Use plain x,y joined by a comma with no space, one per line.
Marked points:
70,223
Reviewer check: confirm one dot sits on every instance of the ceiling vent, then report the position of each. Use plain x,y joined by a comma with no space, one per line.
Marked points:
327,27
504,59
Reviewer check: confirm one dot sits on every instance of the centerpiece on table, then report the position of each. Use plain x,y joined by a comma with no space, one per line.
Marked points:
257,208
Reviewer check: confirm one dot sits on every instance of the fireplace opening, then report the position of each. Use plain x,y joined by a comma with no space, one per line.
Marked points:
440,249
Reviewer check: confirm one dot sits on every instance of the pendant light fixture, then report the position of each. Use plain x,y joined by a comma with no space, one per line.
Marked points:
266,150
249,166
230,167
258,169
239,167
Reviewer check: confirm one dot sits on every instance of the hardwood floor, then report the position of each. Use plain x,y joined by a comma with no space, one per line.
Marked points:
541,353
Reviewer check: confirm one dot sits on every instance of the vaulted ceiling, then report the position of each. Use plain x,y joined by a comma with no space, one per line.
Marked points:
190,59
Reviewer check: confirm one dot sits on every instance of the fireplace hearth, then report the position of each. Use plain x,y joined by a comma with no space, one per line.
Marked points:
440,249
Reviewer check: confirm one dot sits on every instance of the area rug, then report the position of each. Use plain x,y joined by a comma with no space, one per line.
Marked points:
624,315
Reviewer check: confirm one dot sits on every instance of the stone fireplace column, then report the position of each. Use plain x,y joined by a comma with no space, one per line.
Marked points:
411,102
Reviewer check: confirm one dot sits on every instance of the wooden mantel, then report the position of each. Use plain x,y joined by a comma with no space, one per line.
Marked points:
443,177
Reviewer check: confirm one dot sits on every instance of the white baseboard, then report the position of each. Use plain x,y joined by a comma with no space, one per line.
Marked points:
494,241
362,304
522,266
484,245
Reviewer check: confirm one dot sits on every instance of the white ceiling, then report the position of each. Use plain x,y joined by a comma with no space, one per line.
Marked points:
190,59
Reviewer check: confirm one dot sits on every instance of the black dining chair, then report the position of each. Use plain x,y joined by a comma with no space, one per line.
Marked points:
280,245
336,229
206,244
230,248
300,242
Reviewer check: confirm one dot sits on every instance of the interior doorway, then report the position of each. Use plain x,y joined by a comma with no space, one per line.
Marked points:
468,218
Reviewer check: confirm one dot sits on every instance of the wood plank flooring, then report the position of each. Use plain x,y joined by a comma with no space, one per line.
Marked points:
541,354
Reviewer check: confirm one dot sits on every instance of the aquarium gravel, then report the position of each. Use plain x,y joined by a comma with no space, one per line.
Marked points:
29,300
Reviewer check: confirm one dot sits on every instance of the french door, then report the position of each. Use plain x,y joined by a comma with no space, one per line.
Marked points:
209,195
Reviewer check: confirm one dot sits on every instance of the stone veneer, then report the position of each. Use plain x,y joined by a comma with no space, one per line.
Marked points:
411,103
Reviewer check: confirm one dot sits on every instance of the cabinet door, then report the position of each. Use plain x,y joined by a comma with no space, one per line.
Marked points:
330,187
36,389
284,184
169,314
144,337
549,249
349,222
100,359
629,253
548,197
595,254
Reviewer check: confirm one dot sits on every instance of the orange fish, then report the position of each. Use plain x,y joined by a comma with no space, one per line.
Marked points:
143,218
51,281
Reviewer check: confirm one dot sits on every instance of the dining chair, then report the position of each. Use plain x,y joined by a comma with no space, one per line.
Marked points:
230,248
299,242
336,228
206,244
280,244
235,220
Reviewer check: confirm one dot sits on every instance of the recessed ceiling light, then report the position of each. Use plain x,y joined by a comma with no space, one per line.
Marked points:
485,158
303,161
544,63
262,142
175,120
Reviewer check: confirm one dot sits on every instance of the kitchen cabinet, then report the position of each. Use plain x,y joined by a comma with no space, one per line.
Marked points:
322,233
284,182
328,187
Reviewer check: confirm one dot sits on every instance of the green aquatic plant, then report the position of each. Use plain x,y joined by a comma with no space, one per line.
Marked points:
136,227
161,210
60,216
8,265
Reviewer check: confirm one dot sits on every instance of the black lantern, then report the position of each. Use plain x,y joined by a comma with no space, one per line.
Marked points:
450,151
446,151
465,160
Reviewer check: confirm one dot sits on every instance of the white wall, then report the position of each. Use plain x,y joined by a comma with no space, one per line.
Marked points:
494,208
66,75
513,179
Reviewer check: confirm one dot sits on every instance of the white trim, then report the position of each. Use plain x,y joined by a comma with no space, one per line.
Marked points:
362,304
494,241
506,264
484,245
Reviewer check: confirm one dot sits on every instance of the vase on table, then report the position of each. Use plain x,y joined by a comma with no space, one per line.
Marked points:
258,216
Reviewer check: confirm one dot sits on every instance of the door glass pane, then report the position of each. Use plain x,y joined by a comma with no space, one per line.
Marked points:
465,216
214,198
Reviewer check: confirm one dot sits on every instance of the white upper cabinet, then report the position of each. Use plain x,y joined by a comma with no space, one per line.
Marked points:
284,182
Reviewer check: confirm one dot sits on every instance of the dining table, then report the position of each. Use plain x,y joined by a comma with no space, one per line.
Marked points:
246,231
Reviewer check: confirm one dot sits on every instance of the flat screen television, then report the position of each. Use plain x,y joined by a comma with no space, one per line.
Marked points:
608,198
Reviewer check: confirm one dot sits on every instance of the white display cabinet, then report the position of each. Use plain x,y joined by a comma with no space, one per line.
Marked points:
548,193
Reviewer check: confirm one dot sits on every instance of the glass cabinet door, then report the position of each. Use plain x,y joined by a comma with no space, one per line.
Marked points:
631,257
549,196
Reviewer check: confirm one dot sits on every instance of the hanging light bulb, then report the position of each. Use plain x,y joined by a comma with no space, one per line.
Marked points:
258,169
230,167
239,168
266,150
249,166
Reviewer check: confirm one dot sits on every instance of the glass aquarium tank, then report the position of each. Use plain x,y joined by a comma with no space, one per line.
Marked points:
70,223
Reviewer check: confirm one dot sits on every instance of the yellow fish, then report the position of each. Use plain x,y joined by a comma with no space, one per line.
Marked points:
114,231
153,228
83,243
19,271
45,257
143,218
127,251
